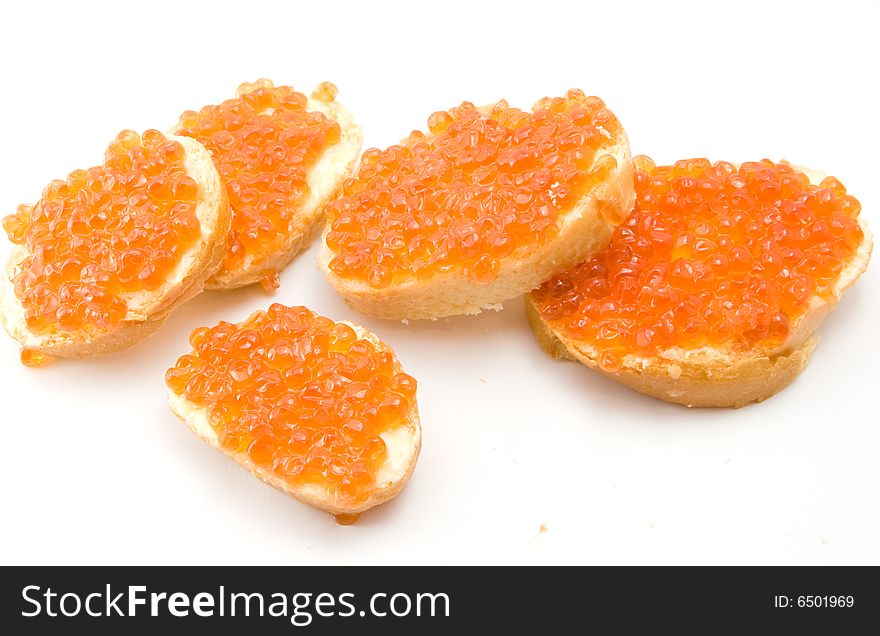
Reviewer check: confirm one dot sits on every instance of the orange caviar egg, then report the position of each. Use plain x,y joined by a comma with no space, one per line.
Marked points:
479,187
269,280
263,143
347,520
303,396
105,234
34,358
712,255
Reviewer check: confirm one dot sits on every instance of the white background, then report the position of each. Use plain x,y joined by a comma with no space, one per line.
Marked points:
97,470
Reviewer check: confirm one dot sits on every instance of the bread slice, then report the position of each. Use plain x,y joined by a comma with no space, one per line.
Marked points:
402,442
708,376
146,310
583,230
324,181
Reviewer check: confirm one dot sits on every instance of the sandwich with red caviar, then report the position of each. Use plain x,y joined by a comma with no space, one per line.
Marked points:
485,206
711,292
282,157
321,410
102,257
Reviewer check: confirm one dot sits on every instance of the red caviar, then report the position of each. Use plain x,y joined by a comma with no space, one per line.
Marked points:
305,397
712,255
264,142
105,234
34,358
479,187
270,281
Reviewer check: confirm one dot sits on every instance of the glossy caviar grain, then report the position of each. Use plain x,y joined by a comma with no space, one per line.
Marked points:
270,281
105,234
34,358
711,255
263,142
477,188
303,396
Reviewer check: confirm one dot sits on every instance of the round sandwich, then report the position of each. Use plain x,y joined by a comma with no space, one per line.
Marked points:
282,157
321,410
102,257
711,292
484,207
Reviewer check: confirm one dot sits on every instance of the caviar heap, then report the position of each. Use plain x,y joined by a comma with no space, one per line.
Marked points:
479,187
263,143
104,235
712,255
304,397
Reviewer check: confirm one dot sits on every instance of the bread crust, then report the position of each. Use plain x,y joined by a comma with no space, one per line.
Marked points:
584,230
325,182
148,310
403,444
709,377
